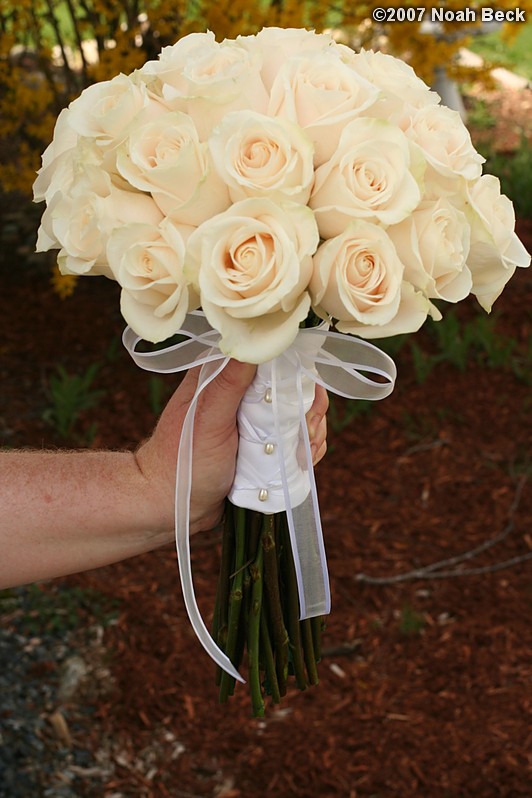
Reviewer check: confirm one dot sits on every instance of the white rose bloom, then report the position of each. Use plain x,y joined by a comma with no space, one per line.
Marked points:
496,251
147,261
80,221
276,45
399,85
357,277
252,265
58,176
69,166
256,155
433,243
207,79
445,142
63,139
375,174
104,110
321,94
56,157
165,157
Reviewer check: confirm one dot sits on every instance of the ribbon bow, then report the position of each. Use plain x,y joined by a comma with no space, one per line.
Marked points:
282,392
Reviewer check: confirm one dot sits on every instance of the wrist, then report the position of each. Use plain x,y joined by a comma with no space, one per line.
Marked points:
158,492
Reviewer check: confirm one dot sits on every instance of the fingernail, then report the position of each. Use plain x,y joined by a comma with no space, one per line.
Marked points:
313,451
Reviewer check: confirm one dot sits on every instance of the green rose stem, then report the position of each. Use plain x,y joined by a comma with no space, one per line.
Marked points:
269,659
292,607
235,602
219,630
308,649
257,608
271,578
253,635
317,625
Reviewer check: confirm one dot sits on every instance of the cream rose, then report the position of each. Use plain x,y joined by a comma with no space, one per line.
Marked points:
80,221
256,155
358,279
165,157
277,45
399,86
104,110
252,265
496,251
207,79
433,243
147,261
321,94
357,276
57,159
374,174
445,142
66,168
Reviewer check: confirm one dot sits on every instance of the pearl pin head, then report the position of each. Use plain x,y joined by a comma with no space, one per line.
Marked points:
263,494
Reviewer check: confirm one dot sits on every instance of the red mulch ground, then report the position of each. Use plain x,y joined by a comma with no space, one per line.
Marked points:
424,685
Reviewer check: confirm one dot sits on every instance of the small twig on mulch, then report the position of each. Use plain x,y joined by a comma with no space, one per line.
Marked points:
433,570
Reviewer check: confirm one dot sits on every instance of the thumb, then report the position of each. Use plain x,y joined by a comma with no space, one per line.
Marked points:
224,394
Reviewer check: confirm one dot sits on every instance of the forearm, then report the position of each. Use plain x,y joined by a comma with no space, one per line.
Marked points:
63,512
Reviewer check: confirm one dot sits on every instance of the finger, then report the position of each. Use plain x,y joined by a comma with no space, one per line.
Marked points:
317,411
319,453
321,401
320,436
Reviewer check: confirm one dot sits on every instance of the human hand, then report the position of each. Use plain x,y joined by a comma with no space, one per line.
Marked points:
215,443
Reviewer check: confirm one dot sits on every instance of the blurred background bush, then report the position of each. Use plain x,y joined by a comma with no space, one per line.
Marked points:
51,49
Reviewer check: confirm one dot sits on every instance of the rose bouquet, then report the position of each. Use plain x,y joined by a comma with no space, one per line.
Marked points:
249,195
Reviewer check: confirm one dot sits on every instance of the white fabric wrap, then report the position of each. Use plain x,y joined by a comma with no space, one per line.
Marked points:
272,414
266,439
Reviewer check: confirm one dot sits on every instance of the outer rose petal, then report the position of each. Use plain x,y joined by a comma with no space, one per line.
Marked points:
58,155
496,250
412,313
144,321
491,271
260,339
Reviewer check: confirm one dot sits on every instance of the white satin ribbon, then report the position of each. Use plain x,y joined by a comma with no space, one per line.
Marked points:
272,412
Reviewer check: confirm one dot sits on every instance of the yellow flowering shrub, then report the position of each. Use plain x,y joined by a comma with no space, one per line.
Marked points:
63,284
51,67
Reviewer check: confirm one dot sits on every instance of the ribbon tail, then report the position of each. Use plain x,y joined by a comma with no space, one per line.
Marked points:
308,523
182,524
304,524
